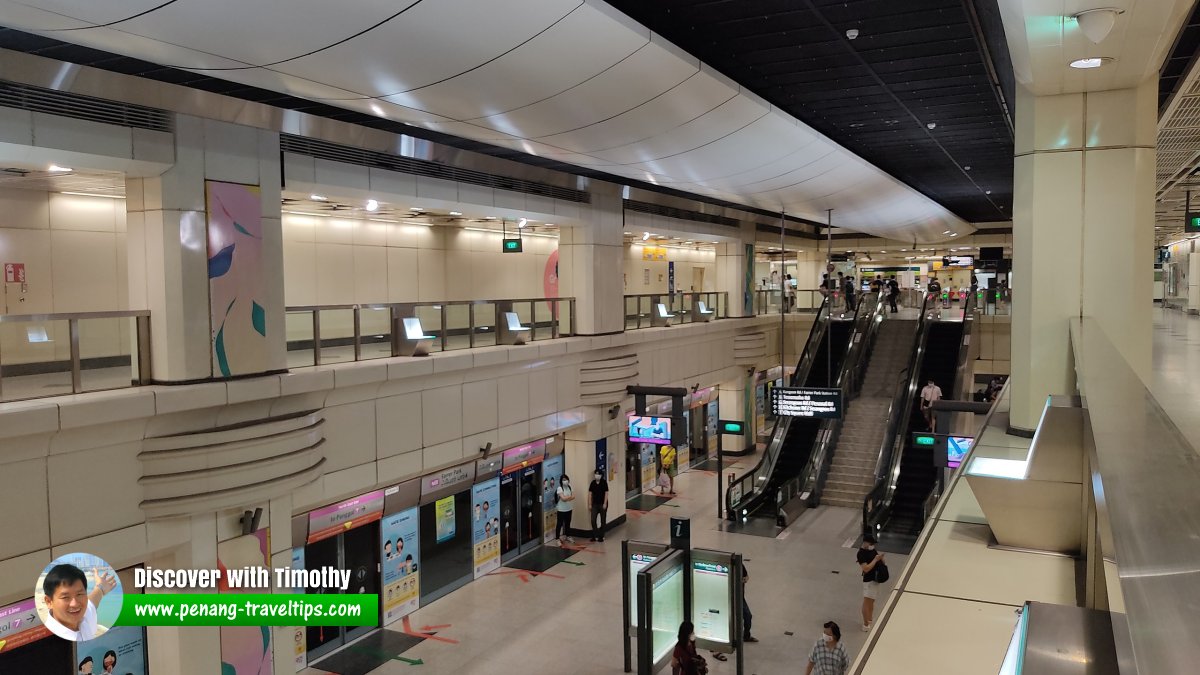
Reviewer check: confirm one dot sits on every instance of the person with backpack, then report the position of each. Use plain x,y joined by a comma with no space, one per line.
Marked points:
893,293
874,573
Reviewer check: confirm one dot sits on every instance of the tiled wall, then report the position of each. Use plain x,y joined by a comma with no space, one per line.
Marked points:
637,281
386,421
330,261
74,252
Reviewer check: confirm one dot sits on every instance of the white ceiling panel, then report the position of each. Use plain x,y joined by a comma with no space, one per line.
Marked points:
91,12
430,43
261,32
576,49
569,80
720,121
660,114
648,71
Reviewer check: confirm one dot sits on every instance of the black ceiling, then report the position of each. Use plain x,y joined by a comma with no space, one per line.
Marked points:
914,62
1179,61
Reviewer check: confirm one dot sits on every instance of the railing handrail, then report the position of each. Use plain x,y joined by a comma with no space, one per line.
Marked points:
878,500
67,316
782,424
422,303
849,380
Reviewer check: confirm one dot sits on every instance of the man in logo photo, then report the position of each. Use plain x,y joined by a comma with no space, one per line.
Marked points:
71,609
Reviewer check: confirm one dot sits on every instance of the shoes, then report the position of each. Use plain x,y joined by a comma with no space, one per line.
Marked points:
866,628
570,540
592,539
720,657
749,638
601,538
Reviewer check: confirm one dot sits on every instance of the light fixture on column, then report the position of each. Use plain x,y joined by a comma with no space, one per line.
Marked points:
1096,24
522,223
645,236
54,168
372,205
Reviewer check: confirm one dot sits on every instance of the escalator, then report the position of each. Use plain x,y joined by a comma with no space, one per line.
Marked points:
793,438
906,474
917,470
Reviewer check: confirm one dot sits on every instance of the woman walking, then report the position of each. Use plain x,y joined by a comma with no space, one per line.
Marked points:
828,656
685,660
565,504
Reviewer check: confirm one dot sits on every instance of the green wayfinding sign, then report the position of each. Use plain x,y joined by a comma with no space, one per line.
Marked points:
925,440
512,245
733,428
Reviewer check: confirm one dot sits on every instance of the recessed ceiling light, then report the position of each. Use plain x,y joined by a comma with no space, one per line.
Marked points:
987,192
967,167
372,205
416,208
852,34
522,222
456,213
1091,62
549,224
59,169
318,198
645,236
946,232
953,234
931,125
490,218
93,194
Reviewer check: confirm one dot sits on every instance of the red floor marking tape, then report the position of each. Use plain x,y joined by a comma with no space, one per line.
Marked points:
408,630
431,628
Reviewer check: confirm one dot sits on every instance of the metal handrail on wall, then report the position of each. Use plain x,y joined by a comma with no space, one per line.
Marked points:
139,361
640,307
543,316
751,485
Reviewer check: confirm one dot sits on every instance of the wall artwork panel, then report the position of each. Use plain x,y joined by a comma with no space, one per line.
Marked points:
236,279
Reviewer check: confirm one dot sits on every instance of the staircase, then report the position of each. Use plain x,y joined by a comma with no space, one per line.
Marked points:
852,473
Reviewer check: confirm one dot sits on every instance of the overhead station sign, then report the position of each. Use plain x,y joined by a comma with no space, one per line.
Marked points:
811,402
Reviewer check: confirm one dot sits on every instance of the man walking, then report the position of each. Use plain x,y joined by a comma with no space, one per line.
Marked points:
598,504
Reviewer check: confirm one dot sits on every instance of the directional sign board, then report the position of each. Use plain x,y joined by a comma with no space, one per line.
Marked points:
807,402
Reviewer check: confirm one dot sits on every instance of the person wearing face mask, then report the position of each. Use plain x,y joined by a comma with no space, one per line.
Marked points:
828,656
598,505
869,560
685,660
566,505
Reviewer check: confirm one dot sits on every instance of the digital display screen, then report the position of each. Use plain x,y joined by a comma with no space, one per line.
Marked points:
957,448
656,430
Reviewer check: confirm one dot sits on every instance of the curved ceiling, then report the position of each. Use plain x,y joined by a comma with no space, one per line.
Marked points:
576,82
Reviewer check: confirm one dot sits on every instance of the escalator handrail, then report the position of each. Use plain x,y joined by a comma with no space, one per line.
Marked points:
849,380
766,463
878,501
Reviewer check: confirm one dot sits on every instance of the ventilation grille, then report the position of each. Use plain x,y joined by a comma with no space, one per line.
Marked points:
420,167
80,107
681,214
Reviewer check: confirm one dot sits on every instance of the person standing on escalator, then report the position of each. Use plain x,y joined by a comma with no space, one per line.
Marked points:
929,394
893,293
849,290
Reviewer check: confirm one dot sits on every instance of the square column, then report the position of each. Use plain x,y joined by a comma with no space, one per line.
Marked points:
591,263
735,272
1083,227
169,244
600,438
736,399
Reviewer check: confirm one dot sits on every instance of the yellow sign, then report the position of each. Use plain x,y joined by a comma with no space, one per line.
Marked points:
654,253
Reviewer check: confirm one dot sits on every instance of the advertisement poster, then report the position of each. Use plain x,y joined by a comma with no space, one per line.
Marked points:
300,637
485,526
760,406
648,465
400,561
713,416
444,518
245,650
120,650
552,472
237,280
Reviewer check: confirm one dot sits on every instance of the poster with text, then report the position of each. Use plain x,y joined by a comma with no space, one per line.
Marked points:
552,470
443,512
300,636
237,285
485,526
400,561
648,466
245,650
121,650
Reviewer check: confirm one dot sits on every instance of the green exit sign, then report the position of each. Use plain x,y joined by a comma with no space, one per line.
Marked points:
925,440
512,246
1192,222
733,428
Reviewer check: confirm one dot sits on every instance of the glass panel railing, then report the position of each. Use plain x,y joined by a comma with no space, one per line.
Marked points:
375,332
434,319
336,339
55,354
483,324
458,325
298,326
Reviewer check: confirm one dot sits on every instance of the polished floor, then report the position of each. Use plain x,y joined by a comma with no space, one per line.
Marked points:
569,620
1174,380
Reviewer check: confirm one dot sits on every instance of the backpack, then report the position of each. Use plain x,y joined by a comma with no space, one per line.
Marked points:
881,573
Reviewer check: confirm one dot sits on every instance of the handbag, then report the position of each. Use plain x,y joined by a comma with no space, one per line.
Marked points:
881,573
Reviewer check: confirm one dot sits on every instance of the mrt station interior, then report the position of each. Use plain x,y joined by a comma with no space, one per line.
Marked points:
846,337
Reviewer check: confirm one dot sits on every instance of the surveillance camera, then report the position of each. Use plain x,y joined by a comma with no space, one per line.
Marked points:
852,33
613,412
486,449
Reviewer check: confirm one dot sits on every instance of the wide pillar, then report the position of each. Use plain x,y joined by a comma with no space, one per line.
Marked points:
1083,224
590,262
598,444
735,272
169,243
737,403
